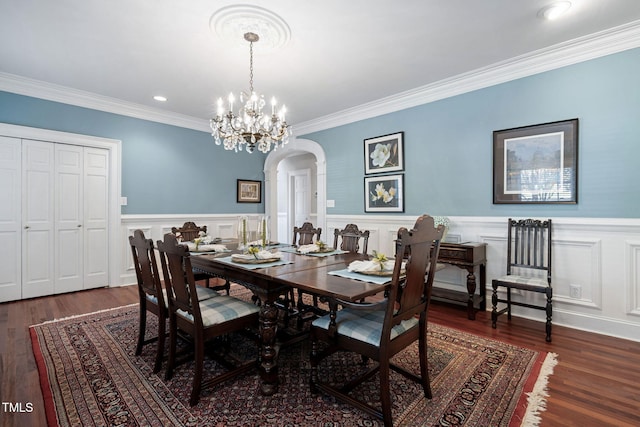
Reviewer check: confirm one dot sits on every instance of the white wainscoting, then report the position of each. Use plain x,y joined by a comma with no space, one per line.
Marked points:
600,255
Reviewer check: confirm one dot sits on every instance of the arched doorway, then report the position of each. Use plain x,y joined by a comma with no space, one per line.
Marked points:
294,148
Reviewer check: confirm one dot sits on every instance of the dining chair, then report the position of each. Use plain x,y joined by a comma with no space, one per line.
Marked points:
350,238
201,320
379,330
305,235
188,232
152,297
529,246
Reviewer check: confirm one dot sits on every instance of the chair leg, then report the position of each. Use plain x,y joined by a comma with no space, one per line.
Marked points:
494,303
424,365
173,338
548,309
385,393
509,303
160,350
197,372
142,328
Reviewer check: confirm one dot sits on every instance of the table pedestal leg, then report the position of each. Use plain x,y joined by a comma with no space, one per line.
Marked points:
268,367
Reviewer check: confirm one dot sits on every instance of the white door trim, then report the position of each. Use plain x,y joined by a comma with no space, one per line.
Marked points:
297,146
115,165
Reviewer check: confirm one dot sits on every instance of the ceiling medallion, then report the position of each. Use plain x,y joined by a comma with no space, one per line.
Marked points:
231,23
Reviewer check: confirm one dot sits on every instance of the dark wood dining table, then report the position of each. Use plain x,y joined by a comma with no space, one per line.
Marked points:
306,272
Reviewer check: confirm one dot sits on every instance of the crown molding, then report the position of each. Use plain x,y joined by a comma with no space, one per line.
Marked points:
66,95
582,49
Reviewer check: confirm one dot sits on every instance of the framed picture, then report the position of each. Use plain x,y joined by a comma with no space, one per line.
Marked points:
536,164
384,153
249,191
384,193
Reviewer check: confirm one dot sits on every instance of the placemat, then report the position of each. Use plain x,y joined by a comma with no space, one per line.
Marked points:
227,260
378,280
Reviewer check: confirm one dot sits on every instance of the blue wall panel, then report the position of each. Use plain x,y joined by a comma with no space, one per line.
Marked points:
165,169
449,146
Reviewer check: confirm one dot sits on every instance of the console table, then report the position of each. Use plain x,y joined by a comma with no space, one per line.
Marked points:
467,256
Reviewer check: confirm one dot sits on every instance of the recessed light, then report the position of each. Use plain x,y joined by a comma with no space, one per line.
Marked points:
554,10
160,98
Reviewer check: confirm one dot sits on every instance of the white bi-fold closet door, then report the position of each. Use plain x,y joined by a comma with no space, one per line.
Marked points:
55,233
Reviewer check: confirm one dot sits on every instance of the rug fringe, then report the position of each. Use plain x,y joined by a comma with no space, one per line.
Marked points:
85,314
536,399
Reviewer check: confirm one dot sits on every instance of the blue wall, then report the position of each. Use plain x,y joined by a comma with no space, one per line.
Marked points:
449,145
448,148
165,169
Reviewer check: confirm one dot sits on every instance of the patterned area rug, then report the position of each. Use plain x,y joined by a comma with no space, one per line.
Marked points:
90,376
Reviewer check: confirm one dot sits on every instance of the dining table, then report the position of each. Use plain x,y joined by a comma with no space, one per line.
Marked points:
325,275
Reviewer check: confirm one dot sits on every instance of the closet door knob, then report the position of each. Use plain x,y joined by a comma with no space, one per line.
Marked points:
26,227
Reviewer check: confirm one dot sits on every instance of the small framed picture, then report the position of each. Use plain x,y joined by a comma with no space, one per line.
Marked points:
384,154
536,164
384,193
249,191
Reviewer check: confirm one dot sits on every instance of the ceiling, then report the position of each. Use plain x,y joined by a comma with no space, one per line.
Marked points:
340,55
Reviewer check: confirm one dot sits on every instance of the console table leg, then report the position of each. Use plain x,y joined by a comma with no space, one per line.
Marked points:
471,289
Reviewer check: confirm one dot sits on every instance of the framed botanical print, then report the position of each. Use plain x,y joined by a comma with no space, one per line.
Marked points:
384,193
384,154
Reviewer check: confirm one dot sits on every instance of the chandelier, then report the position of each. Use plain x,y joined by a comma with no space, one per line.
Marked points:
250,126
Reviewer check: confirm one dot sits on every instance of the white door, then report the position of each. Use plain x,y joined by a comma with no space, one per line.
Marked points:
68,257
37,218
96,217
300,197
10,219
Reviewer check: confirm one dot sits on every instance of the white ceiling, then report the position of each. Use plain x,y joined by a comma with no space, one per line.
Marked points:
341,54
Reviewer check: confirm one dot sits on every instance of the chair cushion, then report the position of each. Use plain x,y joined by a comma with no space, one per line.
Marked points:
365,326
524,280
220,309
202,292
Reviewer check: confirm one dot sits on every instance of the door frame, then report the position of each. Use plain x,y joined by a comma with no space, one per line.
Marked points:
115,162
291,188
295,147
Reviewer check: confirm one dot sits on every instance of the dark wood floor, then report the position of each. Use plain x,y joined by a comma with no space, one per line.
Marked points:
596,382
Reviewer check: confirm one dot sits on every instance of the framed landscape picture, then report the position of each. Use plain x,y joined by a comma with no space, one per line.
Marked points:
249,191
384,153
536,164
384,193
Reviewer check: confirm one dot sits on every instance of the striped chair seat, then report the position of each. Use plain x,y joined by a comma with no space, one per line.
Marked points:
220,309
203,294
365,326
524,280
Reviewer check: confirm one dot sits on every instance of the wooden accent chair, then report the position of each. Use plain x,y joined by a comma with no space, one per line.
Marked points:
188,232
378,331
305,235
201,320
152,296
528,268
351,236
